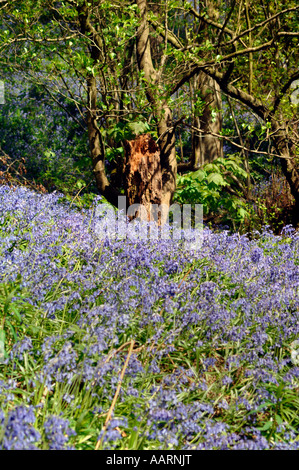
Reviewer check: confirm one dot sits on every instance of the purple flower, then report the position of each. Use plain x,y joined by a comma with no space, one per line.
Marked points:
233,319
57,432
19,432
20,347
256,255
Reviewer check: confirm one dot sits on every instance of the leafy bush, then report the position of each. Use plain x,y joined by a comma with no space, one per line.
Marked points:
214,186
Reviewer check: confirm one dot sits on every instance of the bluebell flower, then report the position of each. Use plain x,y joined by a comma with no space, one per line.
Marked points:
18,432
20,347
234,310
57,432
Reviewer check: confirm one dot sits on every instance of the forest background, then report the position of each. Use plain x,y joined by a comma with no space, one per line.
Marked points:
215,83
148,344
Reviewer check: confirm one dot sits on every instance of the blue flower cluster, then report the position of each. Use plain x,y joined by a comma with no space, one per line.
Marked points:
212,329
18,431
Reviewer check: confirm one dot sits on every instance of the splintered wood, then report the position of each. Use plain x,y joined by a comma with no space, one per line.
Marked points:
143,177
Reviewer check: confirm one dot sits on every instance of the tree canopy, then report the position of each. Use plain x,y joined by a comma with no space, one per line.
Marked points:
124,68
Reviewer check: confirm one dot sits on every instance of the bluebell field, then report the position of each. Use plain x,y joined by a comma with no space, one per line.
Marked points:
213,334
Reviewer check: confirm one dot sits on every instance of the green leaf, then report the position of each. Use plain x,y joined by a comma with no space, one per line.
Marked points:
211,167
80,184
16,312
139,127
278,419
216,179
266,426
242,213
199,175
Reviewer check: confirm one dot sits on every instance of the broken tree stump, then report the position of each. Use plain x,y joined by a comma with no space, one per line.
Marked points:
143,176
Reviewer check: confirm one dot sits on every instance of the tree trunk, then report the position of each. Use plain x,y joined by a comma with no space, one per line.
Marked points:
206,147
143,176
162,112
96,146
168,155
289,163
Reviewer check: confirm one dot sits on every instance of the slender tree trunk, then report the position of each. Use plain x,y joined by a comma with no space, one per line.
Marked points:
162,112
94,136
168,154
206,147
96,145
289,162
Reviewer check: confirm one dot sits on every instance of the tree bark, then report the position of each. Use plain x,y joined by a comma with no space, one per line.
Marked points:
162,112
289,162
205,147
143,176
96,146
168,154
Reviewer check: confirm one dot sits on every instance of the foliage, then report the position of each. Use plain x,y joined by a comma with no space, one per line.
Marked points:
214,362
248,48
273,202
207,186
44,137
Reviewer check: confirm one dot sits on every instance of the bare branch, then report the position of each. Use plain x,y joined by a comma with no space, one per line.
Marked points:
293,34
284,89
241,147
260,25
226,22
33,39
211,22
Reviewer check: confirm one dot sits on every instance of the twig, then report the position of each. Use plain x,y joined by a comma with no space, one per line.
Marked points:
132,342
237,145
83,187
185,277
